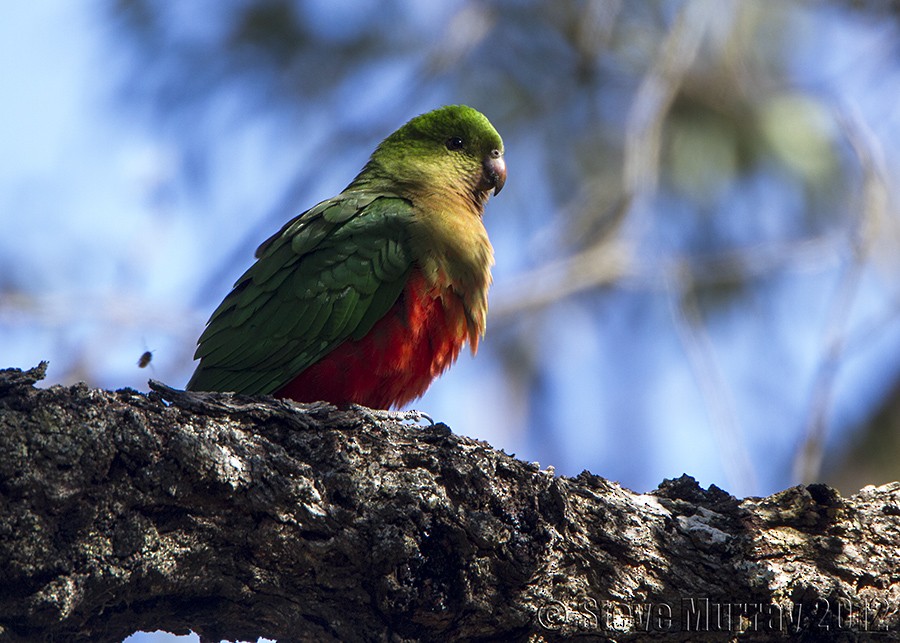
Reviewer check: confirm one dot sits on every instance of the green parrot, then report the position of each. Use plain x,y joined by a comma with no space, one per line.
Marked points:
368,296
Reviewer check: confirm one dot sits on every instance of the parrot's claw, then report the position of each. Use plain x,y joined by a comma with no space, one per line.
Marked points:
403,417
416,417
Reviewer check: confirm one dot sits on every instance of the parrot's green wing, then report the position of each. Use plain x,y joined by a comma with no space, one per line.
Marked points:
326,277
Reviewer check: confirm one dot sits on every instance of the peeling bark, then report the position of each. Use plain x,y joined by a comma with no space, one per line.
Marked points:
241,517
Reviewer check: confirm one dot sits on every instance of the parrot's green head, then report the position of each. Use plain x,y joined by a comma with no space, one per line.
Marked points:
453,149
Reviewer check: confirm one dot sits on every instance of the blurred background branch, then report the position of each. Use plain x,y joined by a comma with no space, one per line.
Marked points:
872,221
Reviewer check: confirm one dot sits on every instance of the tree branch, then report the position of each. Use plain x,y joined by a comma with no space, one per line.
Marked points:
238,517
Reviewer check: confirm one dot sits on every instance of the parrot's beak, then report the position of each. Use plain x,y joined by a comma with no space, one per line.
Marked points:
494,174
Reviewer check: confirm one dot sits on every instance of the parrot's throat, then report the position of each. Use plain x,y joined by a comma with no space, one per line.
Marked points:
479,200
419,337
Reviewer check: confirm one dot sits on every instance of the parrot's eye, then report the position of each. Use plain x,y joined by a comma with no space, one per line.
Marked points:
454,143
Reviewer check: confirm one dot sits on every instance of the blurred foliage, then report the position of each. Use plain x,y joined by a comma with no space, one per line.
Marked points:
754,166
869,456
562,73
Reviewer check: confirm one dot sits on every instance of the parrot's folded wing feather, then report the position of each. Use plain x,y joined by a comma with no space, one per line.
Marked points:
327,276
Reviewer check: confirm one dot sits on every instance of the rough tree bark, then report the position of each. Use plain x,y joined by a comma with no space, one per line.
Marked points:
238,518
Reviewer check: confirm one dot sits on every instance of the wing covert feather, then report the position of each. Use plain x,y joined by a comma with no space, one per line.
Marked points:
328,276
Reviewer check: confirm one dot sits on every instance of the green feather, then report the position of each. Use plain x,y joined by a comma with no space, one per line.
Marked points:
381,302
341,313
326,277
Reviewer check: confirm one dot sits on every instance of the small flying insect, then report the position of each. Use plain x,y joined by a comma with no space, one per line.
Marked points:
144,361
